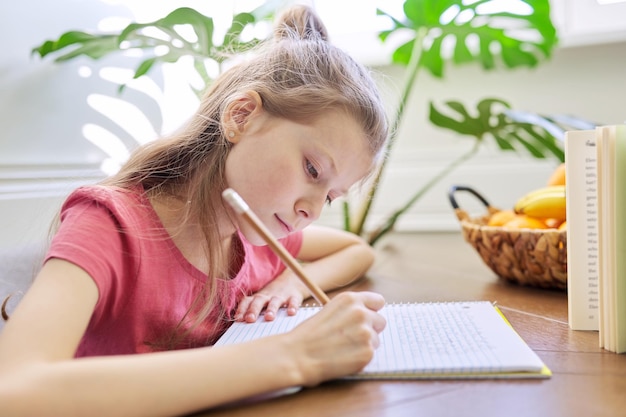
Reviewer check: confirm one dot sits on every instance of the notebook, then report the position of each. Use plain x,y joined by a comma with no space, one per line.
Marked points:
427,341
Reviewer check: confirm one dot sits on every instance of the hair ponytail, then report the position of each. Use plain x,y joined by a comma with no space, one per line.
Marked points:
300,22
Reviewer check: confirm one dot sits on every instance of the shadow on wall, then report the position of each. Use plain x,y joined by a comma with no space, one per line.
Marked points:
53,113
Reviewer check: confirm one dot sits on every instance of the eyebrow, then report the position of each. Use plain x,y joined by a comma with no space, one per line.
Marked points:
342,191
333,166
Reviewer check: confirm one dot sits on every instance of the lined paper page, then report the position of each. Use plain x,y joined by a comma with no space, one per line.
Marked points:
426,340
240,332
450,338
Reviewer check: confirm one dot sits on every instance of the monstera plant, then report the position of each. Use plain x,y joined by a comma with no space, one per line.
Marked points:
184,32
494,34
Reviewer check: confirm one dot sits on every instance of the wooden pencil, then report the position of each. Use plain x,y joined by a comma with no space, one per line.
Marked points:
242,208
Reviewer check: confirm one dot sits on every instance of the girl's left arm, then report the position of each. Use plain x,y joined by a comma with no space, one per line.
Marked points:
331,257
334,258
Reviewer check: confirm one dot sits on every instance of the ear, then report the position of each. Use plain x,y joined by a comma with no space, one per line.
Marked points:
239,112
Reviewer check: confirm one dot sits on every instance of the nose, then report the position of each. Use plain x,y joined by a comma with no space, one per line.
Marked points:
310,207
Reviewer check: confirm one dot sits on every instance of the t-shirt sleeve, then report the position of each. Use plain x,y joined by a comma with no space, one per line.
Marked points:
89,236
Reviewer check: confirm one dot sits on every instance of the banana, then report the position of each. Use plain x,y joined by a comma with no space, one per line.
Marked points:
547,202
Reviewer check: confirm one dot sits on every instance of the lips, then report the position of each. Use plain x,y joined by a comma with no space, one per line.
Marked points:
288,229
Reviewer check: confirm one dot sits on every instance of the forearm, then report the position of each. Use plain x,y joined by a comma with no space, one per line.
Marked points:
340,268
159,384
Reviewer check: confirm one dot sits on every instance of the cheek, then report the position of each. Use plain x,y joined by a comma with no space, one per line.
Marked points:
274,181
261,177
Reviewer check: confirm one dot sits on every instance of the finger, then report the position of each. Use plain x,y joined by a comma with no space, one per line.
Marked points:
292,305
272,308
379,323
254,309
372,300
375,340
242,308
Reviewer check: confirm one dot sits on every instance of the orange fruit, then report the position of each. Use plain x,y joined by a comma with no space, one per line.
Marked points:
499,218
522,221
553,223
558,176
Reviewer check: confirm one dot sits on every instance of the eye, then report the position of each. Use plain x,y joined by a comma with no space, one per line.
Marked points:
314,173
311,170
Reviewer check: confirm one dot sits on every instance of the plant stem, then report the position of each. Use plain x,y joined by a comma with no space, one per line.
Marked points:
412,69
346,215
391,220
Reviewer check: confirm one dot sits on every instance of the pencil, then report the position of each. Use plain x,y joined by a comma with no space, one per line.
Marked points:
242,208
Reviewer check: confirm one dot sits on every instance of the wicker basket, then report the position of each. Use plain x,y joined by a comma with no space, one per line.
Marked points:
533,257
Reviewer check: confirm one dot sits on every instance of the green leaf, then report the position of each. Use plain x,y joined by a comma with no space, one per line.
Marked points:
403,53
546,140
460,122
503,144
532,149
487,121
201,25
475,39
432,59
462,54
239,23
492,120
134,36
78,43
144,67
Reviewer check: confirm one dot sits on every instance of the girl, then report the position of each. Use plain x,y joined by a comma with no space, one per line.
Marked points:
153,261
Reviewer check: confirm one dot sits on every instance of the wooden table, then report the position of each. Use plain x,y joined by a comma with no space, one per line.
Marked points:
586,381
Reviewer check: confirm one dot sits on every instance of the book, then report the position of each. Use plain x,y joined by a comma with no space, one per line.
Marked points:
595,170
427,341
583,293
611,155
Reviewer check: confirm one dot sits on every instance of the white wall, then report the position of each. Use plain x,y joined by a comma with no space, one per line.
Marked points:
43,111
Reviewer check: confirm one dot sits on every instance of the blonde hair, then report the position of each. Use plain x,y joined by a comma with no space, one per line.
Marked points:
299,75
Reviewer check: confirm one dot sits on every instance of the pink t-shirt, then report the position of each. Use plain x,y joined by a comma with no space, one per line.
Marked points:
145,284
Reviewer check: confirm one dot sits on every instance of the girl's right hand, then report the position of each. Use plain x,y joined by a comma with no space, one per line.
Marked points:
339,340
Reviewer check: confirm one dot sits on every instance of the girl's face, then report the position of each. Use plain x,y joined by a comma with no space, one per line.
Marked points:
286,171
